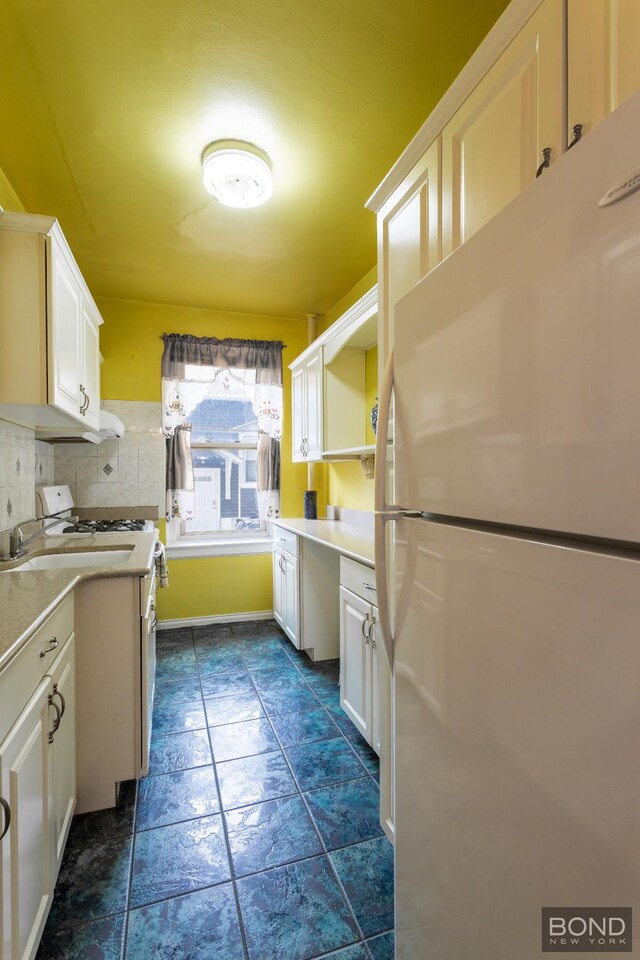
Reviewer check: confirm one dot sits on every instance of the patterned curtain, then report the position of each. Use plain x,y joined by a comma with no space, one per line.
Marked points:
180,397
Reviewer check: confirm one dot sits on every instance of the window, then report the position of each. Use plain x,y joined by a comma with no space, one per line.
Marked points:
222,419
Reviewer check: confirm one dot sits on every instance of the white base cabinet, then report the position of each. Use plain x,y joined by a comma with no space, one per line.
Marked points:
286,585
359,655
37,780
305,593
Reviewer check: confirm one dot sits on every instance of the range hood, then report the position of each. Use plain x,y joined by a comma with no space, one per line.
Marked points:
111,427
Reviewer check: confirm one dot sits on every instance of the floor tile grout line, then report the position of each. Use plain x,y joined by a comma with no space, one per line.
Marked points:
324,848
243,935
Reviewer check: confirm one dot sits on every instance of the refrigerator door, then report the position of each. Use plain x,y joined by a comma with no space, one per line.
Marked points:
517,717
516,359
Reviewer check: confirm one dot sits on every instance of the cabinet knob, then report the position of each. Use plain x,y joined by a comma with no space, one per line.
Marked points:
577,135
7,817
546,160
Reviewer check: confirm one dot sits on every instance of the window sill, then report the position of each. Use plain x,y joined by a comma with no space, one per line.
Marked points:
192,548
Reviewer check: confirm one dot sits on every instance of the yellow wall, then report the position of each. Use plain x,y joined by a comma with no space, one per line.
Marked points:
349,299
216,586
347,485
9,199
132,349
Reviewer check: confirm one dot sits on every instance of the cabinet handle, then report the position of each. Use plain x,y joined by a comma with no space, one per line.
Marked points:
53,643
577,135
370,631
7,817
546,160
56,722
281,564
305,447
63,702
368,585
85,402
154,622
363,627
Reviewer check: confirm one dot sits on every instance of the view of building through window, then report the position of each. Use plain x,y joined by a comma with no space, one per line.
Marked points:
224,440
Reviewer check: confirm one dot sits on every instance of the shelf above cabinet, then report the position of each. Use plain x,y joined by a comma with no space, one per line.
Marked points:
350,453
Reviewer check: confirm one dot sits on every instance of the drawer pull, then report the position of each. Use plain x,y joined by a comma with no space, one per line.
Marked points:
7,816
367,585
63,702
53,643
56,722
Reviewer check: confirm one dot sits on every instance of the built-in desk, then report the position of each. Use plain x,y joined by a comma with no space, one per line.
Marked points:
306,579
348,539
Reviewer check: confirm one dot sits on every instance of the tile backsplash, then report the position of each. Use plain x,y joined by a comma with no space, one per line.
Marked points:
24,462
128,472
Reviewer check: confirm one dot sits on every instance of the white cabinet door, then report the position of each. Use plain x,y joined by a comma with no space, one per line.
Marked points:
65,325
90,366
298,413
603,63
313,391
408,238
376,655
355,660
63,751
278,586
492,146
291,599
306,397
25,783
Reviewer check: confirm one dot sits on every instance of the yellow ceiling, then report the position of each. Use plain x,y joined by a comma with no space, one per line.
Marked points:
107,106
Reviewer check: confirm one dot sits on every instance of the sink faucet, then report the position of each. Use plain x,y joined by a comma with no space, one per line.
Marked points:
17,542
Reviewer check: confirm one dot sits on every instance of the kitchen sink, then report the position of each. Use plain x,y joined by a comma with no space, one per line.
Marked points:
88,558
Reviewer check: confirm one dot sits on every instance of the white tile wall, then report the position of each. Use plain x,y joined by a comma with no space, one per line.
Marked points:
118,473
24,461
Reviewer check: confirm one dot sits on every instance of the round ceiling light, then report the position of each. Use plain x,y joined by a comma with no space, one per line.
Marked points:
236,173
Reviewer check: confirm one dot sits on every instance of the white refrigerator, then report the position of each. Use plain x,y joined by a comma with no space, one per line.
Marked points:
515,567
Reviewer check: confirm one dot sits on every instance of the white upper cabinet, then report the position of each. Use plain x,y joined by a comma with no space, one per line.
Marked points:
49,354
603,59
306,379
494,144
333,386
409,234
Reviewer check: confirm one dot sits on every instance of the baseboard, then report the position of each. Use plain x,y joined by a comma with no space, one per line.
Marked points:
224,618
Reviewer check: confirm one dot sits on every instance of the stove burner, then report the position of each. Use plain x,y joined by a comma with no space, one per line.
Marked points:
105,526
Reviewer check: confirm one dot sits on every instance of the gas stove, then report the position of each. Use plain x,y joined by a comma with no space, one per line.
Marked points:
108,526
57,500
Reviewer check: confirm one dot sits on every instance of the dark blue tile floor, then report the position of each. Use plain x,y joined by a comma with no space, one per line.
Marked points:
256,835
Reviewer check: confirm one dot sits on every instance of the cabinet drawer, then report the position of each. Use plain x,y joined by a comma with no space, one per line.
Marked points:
358,578
23,674
285,540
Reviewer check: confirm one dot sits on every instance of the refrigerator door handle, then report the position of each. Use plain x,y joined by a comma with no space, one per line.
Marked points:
383,512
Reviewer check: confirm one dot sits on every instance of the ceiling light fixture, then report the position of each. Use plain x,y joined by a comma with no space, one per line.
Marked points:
236,173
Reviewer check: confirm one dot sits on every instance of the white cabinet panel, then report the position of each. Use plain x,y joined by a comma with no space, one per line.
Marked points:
492,146
286,593
306,380
65,360
25,783
355,694
63,750
603,62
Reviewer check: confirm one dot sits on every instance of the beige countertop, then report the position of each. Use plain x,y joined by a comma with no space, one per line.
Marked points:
27,599
350,540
